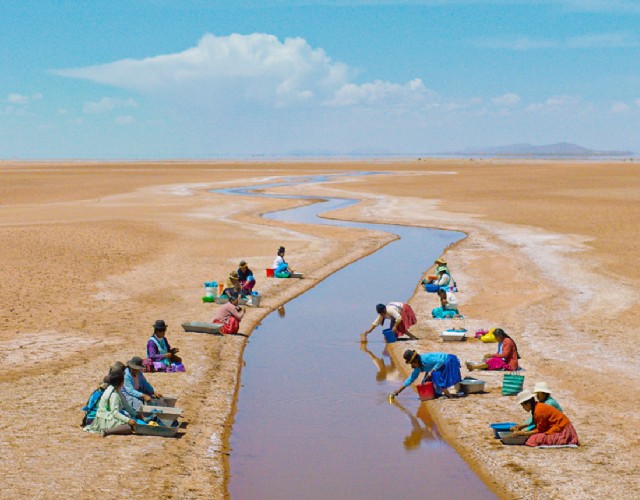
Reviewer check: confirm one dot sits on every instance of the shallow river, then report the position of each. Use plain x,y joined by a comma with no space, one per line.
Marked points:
313,419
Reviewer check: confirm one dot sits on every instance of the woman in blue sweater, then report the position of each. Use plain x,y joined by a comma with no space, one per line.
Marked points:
441,368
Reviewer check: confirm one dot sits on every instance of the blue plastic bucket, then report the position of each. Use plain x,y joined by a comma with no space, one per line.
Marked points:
431,288
389,336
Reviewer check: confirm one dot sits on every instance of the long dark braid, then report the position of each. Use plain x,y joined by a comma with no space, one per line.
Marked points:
500,331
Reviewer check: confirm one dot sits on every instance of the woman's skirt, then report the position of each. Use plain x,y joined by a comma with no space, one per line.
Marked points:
448,375
408,320
496,363
568,435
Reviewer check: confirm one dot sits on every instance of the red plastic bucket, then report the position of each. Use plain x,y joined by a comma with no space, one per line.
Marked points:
270,273
426,392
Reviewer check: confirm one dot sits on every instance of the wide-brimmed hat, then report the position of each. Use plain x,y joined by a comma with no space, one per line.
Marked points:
234,275
524,396
541,387
440,260
281,249
243,263
159,325
135,363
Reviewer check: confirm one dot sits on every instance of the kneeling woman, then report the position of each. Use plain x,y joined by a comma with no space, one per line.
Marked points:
505,359
441,368
552,427
110,417
448,306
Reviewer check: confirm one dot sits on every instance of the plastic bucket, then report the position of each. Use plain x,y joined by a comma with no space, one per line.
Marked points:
502,427
431,288
426,392
254,300
389,336
270,273
210,291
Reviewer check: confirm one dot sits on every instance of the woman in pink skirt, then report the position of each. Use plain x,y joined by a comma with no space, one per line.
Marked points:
553,428
401,316
505,359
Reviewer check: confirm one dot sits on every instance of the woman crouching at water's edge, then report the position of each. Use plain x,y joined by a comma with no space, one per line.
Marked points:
441,368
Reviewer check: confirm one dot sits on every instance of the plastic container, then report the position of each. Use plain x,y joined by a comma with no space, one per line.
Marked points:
389,336
254,300
220,288
165,401
471,385
509,439
454,335
210,291
163,412
501,427
158,430
426,392
270,273
431,288
195,326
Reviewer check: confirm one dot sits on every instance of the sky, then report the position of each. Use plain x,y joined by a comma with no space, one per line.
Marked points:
172,79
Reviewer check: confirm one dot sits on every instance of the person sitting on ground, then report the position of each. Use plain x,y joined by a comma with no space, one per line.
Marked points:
543,394
444,279
552,427
441,368
232,284
505,359
401,316
280,267
159,351
137,391
448,306
246,278
229,315
112,417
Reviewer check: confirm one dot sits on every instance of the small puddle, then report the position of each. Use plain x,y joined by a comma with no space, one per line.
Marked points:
313,419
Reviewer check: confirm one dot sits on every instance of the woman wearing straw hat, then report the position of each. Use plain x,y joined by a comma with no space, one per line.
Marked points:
232,284
246,278
441,368
401,316
543,394
552,427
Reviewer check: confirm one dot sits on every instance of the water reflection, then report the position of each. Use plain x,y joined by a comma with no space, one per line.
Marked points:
423,427
385,372
281,312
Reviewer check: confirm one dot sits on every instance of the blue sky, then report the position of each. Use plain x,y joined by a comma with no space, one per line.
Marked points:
204,79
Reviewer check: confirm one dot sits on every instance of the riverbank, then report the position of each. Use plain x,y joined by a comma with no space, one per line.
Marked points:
98,252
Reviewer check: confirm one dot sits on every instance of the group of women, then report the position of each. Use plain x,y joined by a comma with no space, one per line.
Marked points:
547,425
113,409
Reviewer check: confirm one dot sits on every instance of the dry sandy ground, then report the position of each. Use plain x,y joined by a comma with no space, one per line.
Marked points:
92,254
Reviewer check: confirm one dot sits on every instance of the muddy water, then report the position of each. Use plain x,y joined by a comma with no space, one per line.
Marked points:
313,419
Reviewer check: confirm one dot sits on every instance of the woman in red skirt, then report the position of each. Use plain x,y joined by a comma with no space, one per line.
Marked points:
401,316
553,428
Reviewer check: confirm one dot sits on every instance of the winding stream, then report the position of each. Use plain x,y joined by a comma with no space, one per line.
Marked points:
313,420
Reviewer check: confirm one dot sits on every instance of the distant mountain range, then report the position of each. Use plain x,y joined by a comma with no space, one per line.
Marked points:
559,149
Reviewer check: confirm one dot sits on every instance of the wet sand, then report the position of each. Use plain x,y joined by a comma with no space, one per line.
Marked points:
94,253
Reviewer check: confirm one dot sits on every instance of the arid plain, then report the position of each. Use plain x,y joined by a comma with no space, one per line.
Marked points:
93,253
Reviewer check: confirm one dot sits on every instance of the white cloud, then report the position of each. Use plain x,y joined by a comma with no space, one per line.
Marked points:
22,99
506,100
554,103
620,108
593,41
249,69
125,120
107,104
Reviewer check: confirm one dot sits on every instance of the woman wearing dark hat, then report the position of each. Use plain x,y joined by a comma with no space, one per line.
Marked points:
281,268
441,368
110,417
246,278
158,349
137,390
400,315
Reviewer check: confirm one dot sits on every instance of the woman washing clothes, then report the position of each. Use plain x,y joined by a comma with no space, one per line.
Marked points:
552,427
448,306
245,277
543,395
401,316
505,359
114,416
441,368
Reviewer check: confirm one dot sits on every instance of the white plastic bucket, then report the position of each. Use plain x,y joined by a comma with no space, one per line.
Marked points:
210,291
